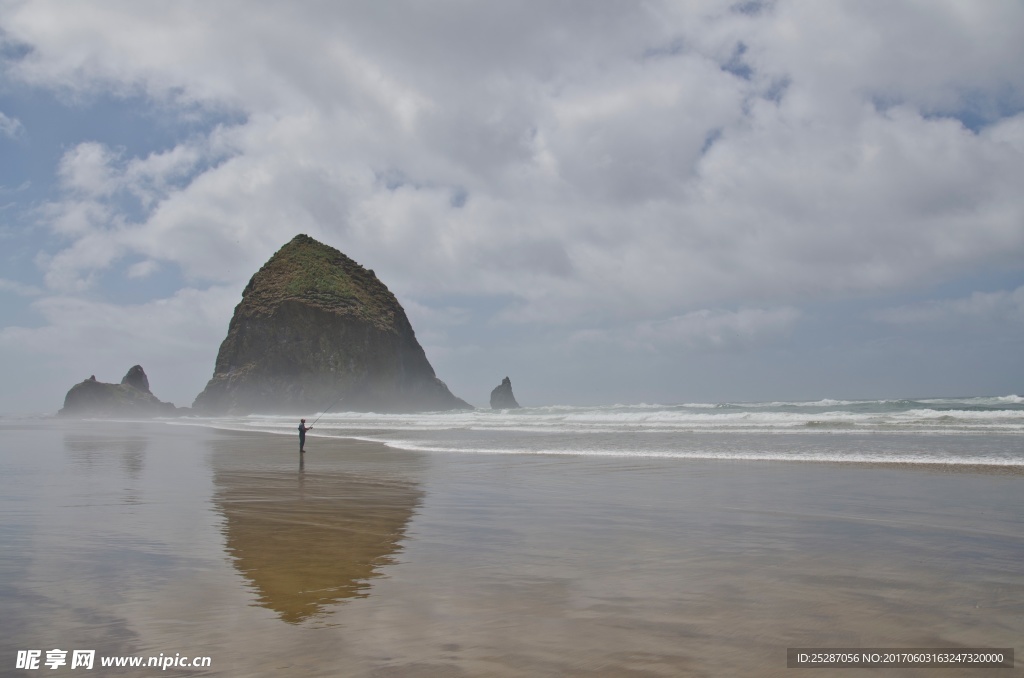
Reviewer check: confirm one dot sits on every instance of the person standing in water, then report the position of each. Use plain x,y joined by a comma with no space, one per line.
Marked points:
302,435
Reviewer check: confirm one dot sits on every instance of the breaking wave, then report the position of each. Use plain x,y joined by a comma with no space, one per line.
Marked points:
969,430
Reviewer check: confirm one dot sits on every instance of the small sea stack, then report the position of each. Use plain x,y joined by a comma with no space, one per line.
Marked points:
131,398
501,396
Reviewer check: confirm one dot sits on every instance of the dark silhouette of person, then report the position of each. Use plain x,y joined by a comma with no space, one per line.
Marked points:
302,435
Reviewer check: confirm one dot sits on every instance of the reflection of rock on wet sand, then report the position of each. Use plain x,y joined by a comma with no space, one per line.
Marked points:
306,541
89,449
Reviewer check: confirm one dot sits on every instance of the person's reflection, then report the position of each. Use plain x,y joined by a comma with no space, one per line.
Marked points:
308,540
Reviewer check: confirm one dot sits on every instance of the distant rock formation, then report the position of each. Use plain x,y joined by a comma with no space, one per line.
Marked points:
501,396
130,398
314,327
137,378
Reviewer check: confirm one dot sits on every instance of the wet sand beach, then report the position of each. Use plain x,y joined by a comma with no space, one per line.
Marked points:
142,539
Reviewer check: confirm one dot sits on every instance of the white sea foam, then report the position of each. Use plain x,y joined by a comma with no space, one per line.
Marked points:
582,419
879,457
905,431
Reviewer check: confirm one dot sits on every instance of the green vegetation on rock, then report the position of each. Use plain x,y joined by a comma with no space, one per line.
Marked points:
323,277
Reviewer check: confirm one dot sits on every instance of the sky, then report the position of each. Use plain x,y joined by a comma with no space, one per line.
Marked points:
606,201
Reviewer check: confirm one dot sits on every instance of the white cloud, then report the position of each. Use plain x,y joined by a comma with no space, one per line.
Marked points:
142,269
18,288
610,142
720,328
10,127
87,169
102,193
706,329
931,55
981,308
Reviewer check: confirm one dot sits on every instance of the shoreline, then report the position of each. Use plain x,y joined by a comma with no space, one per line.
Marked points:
997,469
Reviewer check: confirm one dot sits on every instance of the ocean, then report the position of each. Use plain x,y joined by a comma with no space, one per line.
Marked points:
987,430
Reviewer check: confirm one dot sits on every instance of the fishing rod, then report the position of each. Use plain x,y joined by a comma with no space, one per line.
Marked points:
328,408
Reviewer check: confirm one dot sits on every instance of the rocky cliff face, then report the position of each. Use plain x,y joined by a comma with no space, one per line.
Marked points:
314,326
130,398
136,378
501,396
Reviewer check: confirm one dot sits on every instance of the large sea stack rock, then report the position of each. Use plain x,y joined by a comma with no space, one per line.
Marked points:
501,396
131,398
314,327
